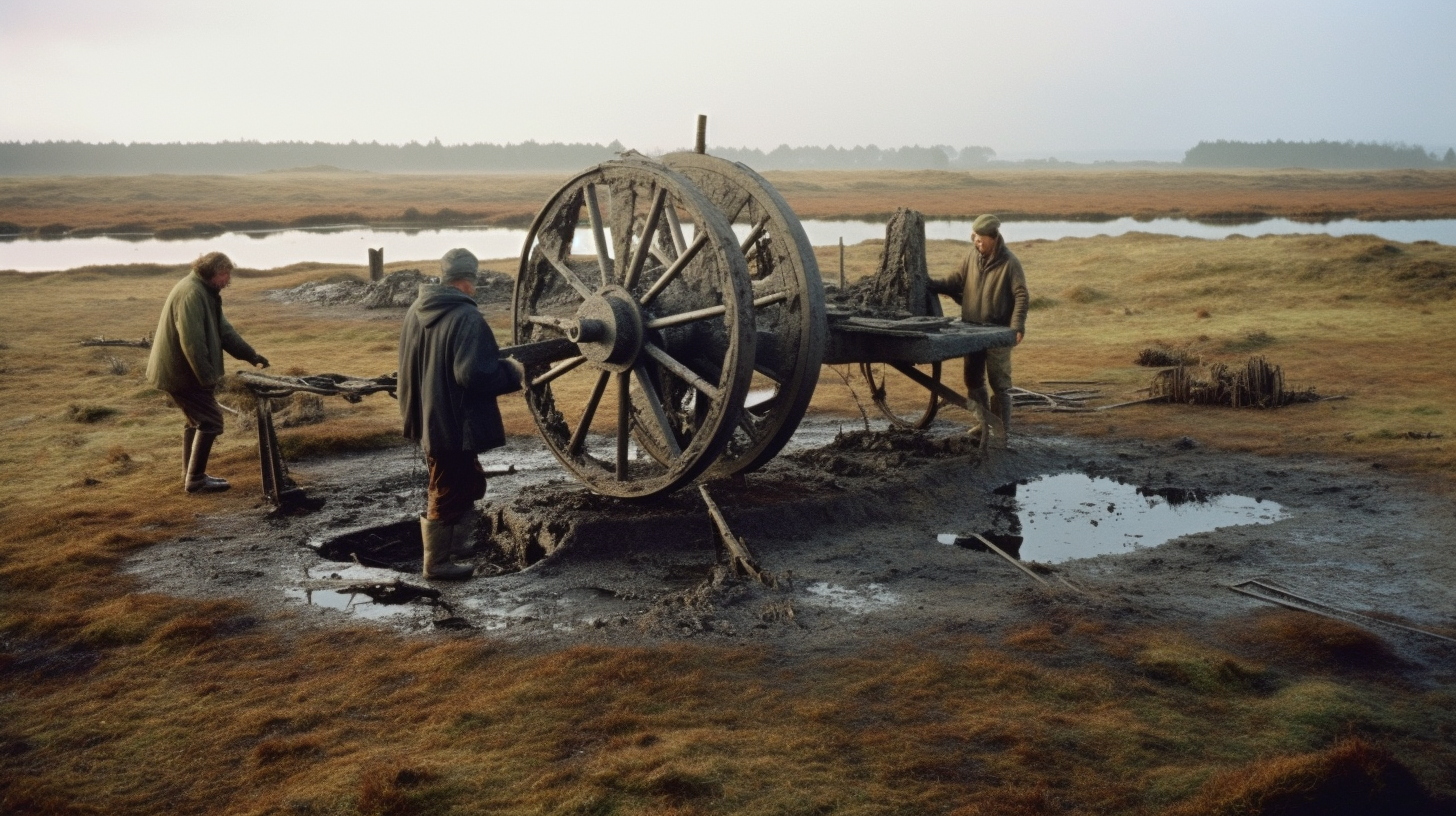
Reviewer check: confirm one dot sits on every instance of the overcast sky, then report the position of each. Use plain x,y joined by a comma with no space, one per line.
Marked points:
1030,78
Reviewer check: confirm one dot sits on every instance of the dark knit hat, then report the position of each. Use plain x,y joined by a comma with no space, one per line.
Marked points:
459,264
987,225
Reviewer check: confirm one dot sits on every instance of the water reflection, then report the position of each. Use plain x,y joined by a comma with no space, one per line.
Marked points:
271,249
1071,515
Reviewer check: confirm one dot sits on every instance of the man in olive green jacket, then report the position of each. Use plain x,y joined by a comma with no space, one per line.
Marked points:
186,361
990,286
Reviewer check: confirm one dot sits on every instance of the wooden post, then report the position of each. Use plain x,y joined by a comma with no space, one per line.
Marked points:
841,263
702,143
376,264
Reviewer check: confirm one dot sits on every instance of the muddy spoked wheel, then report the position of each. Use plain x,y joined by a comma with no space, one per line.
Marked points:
788,299
649,390
904,402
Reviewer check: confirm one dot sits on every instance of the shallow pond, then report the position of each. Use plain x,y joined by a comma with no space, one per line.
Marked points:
268,250
1071,515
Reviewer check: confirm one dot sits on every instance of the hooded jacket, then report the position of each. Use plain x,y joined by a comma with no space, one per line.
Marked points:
989,290
191,336
450,373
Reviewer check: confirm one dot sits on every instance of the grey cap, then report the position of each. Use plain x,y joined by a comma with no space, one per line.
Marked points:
987,225
459,264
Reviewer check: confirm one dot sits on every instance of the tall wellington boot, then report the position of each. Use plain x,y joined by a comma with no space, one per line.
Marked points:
188,434
1001,420
462,537
197,479
438,536
981,410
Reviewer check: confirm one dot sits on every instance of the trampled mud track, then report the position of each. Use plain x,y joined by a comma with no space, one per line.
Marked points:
848,530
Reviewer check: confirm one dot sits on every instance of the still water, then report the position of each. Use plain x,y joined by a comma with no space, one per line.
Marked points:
268,250
1072,515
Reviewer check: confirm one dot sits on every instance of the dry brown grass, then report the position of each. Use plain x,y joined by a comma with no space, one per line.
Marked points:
114,700
185,203
1175,193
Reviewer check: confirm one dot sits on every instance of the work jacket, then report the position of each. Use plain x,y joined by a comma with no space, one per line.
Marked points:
450,373
191,336
990,290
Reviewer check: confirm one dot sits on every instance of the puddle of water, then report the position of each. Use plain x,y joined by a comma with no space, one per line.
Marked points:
360,606
1071,515
869,598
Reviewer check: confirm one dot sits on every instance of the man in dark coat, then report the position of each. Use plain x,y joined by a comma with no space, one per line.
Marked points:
450,372
990,286
186,361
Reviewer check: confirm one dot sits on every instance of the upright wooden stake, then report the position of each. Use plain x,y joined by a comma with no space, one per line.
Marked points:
376,264
841,263
701,146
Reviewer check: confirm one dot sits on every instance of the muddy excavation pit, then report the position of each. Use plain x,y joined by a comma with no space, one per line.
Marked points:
862,535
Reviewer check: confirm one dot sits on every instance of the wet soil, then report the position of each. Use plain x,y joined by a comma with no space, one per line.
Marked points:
847,525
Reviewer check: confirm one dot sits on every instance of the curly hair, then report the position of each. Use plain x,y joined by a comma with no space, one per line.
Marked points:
208,266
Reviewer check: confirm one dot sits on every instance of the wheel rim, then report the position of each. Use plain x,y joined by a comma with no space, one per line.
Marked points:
904,402
663,343
789,316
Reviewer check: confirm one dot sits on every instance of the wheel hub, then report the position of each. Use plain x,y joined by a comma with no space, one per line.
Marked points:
609,329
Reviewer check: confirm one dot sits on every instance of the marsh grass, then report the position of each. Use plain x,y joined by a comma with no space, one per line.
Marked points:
195,206
118,700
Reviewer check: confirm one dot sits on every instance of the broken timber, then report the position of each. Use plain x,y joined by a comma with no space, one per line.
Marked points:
739,556
1277,595
145,342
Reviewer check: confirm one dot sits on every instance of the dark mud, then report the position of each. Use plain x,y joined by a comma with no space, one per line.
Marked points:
848,528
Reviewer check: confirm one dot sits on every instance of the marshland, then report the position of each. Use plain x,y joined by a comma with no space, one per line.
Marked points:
153,657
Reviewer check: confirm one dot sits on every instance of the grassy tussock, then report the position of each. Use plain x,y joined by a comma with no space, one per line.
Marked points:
117,701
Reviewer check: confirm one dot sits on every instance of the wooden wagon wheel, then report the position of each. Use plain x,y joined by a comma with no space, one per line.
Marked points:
668,326
788,299
911,406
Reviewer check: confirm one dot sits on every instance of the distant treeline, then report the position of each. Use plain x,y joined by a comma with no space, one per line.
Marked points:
783,157
81,158
1317,155
112,159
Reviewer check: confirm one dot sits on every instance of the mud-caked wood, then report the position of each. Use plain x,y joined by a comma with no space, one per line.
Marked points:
788,296
658,331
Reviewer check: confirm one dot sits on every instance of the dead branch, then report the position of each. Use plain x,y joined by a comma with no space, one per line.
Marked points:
101,340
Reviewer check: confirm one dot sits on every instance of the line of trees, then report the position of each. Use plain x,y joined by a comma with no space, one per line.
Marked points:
82,158
1324,155
869,157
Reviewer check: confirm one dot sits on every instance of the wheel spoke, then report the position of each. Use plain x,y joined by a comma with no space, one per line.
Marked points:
683,372
686,317
644,244
673,271
556,371
675,227
654,406
754,235
624,423
594,212
571,277
769,300
579,436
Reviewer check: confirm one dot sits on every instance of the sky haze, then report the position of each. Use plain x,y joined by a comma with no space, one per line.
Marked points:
1030,79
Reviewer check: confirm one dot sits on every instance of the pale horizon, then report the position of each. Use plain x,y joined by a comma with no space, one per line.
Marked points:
1079,82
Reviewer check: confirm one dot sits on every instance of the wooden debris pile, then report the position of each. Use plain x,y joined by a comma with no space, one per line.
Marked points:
1255,384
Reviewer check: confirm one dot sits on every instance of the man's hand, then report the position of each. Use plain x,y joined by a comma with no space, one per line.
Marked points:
260,361
516,367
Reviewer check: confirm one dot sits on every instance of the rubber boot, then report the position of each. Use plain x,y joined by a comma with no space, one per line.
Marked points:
437,537
462,537
188,434
197,479
980,401
1001,421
